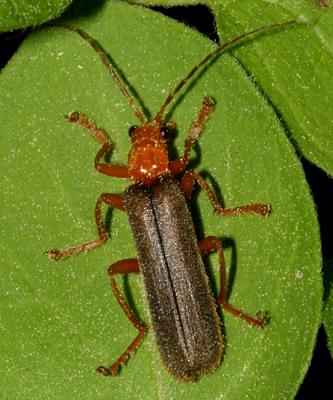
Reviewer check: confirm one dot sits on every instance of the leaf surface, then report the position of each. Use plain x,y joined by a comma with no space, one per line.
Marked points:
18,14
60,320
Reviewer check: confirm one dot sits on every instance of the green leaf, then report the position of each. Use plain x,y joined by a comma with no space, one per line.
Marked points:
328,304
295,75
169,3
16,14
59,320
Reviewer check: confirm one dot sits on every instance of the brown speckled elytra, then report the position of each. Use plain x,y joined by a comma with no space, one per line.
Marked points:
183,312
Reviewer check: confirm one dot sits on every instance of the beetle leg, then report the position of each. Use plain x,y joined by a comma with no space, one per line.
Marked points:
188,181
112,200
206,246
124,267
187,184
100,136
179,164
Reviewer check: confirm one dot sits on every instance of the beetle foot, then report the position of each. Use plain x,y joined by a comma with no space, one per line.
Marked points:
263,318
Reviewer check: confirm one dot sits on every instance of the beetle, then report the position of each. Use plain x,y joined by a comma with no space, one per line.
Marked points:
183,312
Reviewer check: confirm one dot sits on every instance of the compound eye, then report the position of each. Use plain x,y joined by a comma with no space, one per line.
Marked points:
168,129
165,133
132,129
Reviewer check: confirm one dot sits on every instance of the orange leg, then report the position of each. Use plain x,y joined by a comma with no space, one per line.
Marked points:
124,267
179,164
112,200
100,136
188,181
206,246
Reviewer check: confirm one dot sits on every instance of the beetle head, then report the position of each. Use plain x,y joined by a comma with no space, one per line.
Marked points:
148,157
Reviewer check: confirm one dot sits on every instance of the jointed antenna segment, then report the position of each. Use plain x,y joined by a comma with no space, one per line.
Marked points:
109,67
211,55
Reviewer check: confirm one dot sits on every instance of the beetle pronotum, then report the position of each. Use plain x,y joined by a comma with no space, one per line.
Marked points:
183,312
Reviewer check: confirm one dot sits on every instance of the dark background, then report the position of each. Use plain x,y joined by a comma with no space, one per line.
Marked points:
318,381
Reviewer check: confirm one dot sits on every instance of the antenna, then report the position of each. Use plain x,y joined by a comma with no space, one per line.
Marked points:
211,55
109,67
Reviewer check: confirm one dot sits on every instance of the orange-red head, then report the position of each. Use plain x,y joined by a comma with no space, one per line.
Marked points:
148,158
